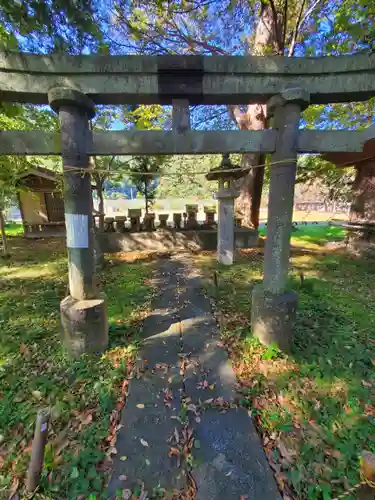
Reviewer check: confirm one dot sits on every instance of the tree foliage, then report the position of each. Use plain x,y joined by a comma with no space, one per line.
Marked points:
50,25
337,182
275,27
184,177
143,172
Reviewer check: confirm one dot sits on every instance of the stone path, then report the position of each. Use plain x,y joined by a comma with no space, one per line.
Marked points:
185,367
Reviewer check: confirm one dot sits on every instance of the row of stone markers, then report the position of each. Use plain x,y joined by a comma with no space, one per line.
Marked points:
83,312
187,220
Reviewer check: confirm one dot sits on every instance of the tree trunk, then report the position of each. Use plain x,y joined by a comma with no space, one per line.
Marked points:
3,235
363,205
251,185
99,190
266,40
146,196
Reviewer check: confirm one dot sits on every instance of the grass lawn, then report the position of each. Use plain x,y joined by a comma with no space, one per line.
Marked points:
315,408
318,234
13,229
85,396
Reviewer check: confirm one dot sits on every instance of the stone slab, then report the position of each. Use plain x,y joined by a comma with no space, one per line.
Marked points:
233,461
35,142
201,80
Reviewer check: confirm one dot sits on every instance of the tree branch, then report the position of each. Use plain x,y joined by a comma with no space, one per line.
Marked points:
300,22
309,12
285,24
296,30
276,23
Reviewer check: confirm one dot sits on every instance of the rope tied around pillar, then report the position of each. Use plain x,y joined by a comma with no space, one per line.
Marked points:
353,489
90,170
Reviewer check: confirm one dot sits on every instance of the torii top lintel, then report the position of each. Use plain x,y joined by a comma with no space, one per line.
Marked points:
199,79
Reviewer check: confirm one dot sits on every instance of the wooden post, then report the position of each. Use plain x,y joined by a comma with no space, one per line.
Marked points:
37,452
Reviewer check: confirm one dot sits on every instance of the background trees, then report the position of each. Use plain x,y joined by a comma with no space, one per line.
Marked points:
143,173
284,28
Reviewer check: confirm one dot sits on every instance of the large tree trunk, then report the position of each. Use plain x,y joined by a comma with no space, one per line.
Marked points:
363,205
266,40
3,235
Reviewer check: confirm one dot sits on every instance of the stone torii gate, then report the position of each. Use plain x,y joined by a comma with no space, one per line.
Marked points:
72,85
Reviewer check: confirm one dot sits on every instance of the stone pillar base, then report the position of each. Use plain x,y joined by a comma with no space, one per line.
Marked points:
84,325
225,257
273,317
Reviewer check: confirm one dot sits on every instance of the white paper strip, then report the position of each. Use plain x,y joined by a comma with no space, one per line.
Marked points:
77,231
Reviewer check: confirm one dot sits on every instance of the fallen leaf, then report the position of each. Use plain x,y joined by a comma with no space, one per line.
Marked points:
366,384
192,408
14,488
175,452
37,395
75,473
143,442
140,406
61,445
87,419
286,452
203,385
123,458
176,435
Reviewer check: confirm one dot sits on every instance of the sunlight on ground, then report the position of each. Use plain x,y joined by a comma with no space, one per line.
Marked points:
30,272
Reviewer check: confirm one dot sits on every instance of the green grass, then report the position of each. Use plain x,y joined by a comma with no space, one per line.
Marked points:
36,373
319,234
317,403
13,229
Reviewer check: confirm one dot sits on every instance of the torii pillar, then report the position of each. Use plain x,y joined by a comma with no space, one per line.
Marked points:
83,312
273,307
